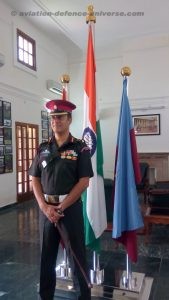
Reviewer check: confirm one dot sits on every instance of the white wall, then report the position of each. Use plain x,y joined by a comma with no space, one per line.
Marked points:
148,86
25,91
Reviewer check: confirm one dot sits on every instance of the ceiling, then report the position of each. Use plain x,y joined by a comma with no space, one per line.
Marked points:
71,31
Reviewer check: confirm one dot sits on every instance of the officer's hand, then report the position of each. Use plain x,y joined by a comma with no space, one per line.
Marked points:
52,214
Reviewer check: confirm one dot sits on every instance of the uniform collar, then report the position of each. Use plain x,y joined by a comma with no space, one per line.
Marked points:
70,140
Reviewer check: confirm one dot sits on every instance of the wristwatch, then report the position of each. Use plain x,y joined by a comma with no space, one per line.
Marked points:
59,211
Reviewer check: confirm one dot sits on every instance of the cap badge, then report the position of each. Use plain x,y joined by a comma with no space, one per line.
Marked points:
55,106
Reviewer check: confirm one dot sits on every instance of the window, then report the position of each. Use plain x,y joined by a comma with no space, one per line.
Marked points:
26,50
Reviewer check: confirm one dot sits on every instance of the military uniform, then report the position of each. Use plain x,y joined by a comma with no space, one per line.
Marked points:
59,169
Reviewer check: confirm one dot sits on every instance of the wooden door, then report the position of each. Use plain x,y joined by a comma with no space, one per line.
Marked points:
26,145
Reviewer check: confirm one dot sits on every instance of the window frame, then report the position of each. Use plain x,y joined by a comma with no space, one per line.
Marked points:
33,42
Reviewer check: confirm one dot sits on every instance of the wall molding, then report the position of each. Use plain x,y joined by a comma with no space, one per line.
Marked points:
12,91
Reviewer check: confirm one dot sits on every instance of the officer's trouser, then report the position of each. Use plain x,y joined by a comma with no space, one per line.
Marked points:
50,239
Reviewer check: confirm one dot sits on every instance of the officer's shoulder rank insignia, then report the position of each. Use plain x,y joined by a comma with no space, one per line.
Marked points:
84,146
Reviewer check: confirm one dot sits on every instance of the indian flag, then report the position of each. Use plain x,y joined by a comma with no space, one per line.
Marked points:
94,208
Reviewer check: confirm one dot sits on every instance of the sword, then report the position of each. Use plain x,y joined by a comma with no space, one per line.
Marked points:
64,235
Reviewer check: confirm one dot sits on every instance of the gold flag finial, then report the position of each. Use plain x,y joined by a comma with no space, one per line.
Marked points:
125,71
90,14
65,78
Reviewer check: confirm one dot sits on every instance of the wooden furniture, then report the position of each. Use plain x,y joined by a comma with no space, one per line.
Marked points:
108,187
143,186
159,161
157,211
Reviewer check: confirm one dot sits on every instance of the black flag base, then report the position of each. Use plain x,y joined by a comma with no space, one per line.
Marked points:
139,290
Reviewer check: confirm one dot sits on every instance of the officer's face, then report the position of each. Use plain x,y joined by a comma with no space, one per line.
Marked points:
60,123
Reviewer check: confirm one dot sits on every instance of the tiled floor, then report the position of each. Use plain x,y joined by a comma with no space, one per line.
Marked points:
19,255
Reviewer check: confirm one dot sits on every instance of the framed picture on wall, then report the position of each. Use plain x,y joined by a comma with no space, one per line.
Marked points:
2,161
7,136
44,115
1,140
8,163
1,131
50,131
1,164
44,124
146,124
45,134
1,150
8,149
1,113
7,114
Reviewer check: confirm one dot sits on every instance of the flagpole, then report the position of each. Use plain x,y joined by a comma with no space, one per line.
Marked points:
127,278
96,275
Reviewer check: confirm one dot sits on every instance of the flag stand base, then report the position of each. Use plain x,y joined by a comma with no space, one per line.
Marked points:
140,288
97,276
64,271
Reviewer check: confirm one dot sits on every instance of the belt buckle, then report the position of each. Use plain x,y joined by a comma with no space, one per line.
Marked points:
53,199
